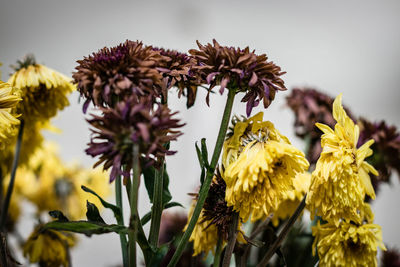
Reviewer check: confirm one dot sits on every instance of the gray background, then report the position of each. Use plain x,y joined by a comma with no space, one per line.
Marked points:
338,46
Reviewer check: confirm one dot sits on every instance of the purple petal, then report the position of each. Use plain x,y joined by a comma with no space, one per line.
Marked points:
211,76
223,84
253,79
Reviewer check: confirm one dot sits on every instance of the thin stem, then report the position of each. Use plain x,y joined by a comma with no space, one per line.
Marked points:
207,181
283,233
231,241
10,188
157,208
120,221
218,250
133,222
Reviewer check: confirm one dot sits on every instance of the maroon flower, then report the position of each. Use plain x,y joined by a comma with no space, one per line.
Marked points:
391,258
240,70
177,72
386,157
131,122
112,74
311,106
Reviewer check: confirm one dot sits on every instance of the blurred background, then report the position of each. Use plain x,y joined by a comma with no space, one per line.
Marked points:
349,47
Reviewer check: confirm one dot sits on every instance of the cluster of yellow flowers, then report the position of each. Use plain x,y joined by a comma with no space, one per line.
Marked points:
338,188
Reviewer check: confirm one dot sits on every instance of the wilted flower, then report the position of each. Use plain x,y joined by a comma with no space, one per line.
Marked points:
391,258
43,91
292,198
260,165
386,157
240,70
9,98
177,71
311,106
347,244
49,248
131,122
341,180
54,185
112,74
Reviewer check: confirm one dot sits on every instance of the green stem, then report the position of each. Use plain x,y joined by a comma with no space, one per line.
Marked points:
283,233
231,241
218,250
157,208
206,184
10,188
134,220
120,221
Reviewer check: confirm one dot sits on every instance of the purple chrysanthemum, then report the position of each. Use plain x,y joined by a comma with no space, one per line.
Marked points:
240,70
131,122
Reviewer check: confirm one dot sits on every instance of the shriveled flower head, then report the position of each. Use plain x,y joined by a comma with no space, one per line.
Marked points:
311,106
9,98
48,248
56,185
386,157
240,70
176,69
292,198
347,244
44,91
112,74
341,178
260,165
131,122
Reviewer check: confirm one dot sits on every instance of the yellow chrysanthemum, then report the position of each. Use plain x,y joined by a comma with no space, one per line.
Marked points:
340,180
56,186
48,247
9,98
347,244
292,198
260,165
43,91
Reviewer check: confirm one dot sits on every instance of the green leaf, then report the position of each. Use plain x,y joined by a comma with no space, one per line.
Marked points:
204,152
200,158
115,209
147,217
56,214
85,227
149,176
92,213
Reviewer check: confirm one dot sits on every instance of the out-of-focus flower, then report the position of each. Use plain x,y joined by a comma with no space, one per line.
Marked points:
240,70
341,180
292,198
347,244
112,74
311,106
131,122
391,258
172,224
53,185
260,165
9,98
386,157
43,91
177,71
48,248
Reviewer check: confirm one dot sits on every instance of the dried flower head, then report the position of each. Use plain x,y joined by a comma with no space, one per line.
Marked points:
386,147
311,106
391,258
240,70
176,69
43,91
9,99
112,74
347,244
131,122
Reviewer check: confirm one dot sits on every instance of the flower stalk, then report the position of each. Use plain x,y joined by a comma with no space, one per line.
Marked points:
283,233
10,188
120,221
218,251
231,241
157,208
134,220
207,181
